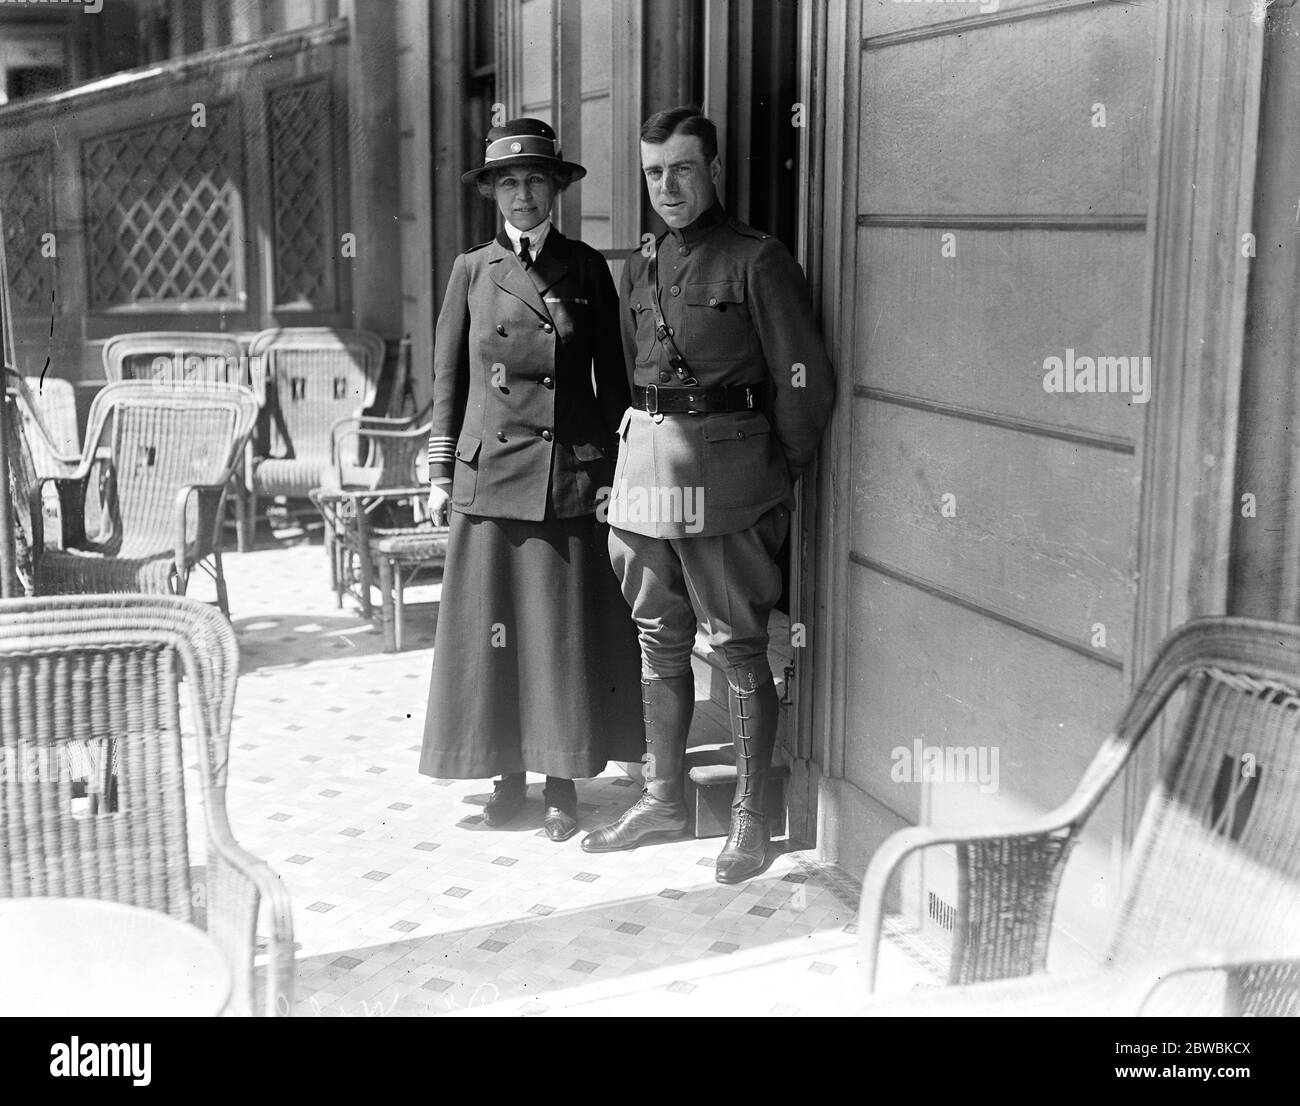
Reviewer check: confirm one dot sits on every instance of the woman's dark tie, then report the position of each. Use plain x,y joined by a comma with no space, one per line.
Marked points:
523,253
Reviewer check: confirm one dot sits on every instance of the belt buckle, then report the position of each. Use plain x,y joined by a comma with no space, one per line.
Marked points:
749,398
652,390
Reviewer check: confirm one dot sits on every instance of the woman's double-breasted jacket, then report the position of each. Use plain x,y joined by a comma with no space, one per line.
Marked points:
529,381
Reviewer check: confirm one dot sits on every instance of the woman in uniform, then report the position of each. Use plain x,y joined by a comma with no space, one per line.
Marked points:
535,666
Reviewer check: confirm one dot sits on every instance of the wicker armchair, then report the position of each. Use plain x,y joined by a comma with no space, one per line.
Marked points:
186,359
1209,918
97,678
306,378
170,454
49,416
376,526
176,357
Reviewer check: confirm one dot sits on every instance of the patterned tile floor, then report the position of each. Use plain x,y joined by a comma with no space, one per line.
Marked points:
404,902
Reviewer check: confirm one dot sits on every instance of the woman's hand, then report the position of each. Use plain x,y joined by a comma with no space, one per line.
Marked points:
439,503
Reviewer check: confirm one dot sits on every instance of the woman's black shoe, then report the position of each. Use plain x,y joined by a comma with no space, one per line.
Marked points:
561,798
508,794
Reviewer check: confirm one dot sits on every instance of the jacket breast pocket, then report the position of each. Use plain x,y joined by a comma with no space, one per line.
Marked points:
742,464
465,482
716,323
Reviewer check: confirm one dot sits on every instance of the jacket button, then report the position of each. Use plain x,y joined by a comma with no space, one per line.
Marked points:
684,250
501,435
547,382
664,377
547,435
501,330
547,327
674,290
740,433
713,301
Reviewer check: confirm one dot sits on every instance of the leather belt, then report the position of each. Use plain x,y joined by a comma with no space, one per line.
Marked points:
658,400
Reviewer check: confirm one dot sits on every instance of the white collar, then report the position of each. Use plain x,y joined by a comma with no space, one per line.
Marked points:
536,236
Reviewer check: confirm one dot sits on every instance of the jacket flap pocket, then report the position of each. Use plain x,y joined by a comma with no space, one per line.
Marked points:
586,451
622,426
467,448
736,427
715,292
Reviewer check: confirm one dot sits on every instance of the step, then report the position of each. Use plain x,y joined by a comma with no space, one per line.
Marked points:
711,786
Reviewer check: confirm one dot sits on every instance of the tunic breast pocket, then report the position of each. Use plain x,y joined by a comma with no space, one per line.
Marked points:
716,323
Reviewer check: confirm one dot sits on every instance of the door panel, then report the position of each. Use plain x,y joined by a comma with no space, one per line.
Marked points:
994,312
999,118
1038,530
976,629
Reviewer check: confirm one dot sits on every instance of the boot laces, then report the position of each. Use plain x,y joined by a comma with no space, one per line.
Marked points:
745,825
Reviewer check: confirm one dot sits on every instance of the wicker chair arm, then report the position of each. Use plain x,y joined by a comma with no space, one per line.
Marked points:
207,534
1271,983
1029,857
72,511
244,889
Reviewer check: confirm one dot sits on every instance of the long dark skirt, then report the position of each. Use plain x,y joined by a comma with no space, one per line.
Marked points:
535,662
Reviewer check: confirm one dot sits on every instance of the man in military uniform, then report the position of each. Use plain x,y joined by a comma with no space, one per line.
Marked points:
732,390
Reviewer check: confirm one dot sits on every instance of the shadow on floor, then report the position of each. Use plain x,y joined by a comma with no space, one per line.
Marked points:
550,949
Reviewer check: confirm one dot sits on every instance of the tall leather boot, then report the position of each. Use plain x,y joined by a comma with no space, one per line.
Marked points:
754,714
660,812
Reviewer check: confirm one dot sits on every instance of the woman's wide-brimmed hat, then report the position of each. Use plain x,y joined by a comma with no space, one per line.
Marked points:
520,140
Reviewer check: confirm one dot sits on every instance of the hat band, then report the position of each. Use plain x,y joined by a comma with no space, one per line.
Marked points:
524,145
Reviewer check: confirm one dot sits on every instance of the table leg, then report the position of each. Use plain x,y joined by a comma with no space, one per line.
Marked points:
363,560
399,600
386,613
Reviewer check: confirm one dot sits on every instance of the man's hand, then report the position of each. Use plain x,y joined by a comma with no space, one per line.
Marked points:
439,504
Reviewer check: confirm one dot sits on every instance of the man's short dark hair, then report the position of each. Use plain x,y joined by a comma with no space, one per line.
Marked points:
661,126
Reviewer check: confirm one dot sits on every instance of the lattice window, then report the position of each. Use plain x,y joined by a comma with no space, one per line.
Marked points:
163,214
25,200
302,166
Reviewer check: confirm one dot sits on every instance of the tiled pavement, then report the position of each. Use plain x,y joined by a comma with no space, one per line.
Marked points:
404,902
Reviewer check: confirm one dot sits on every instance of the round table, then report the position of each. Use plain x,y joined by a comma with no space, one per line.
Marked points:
90,958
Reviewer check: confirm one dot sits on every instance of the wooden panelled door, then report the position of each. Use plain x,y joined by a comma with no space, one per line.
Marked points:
1001,168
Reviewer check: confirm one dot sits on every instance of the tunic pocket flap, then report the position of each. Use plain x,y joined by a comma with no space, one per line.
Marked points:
623,423
715,292
467,448
746,424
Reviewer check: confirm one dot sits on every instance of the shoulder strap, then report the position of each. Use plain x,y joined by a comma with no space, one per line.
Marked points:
675,359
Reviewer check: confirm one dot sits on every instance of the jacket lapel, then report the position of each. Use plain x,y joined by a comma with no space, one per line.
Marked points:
553,265
509,275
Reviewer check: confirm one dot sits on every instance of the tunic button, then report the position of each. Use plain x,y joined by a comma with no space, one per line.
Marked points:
674,290
501,435
713,301
547,327
547,382
664,377
740,433
501,330
547,435
684,250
